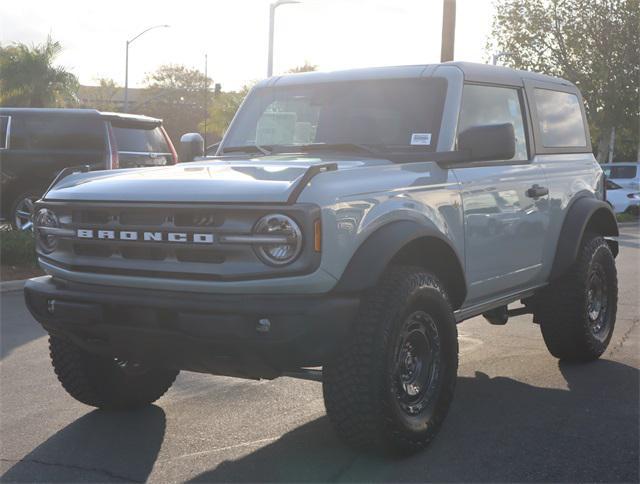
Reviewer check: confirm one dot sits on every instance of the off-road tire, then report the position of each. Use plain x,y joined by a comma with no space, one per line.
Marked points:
562,307
101,382
358,382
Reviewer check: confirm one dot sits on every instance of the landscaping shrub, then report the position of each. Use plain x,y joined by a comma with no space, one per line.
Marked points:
17,248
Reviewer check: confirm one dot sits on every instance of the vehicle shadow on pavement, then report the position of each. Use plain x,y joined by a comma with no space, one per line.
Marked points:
100,446
498,430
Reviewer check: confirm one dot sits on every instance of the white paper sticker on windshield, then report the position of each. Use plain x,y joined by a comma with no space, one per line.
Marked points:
421,139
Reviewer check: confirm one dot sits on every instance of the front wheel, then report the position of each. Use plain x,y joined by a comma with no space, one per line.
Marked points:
106,382
390,386
22,210
577,312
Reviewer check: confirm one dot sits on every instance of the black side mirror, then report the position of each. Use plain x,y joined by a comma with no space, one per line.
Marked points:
489,142
191,146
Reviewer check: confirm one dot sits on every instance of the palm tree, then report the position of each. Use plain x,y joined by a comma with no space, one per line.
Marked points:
28,77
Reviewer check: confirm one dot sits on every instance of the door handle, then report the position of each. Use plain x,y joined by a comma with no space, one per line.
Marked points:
536,191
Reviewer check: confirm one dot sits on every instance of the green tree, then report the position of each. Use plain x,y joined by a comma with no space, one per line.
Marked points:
176,94
29,78
594,44
306,67
222,109
103,97
224,106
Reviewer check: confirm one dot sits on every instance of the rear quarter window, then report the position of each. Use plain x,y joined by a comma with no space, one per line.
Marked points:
140,140
56,133
560,119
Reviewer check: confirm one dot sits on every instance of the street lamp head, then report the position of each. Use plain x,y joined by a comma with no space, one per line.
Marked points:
147,30
277,3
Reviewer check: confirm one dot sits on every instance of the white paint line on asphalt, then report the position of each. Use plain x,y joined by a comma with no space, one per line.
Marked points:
222,449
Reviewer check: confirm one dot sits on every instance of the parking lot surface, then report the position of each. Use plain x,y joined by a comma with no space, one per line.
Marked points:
518,415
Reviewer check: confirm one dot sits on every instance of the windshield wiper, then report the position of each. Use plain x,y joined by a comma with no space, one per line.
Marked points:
265,150
347,147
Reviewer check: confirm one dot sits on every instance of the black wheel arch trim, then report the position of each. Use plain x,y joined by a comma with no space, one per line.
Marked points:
582,211
375,254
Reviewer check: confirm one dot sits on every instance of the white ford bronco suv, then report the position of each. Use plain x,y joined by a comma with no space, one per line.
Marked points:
348,221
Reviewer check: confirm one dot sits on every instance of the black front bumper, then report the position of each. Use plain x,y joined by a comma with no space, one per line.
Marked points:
219,334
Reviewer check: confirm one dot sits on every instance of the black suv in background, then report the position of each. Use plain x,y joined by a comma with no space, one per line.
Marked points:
35,144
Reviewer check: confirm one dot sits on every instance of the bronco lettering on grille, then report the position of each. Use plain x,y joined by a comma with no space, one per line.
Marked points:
133,235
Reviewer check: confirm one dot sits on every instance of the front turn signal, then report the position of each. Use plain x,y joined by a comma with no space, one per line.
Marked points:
317,236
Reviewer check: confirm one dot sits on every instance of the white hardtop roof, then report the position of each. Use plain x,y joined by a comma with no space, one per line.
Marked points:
472,72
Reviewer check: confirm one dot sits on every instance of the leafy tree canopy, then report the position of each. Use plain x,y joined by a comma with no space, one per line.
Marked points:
594,44
306,67
29,78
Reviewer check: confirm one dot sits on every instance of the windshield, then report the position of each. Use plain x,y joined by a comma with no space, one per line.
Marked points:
389,113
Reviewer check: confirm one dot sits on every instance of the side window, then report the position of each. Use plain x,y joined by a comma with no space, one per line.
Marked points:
483,105
5,121
52,133
559,119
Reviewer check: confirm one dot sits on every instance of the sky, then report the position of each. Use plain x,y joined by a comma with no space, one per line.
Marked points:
332,34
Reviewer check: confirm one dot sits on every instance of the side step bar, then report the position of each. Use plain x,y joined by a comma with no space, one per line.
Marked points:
469,312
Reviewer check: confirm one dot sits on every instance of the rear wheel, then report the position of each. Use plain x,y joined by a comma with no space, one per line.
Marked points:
106,382
577,313
389,388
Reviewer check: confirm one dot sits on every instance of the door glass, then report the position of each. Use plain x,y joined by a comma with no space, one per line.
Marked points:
57,133
482,105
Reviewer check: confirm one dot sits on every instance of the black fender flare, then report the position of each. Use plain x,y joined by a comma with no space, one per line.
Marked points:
374,255
583,212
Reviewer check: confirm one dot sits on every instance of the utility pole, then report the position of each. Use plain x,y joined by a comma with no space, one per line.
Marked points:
448,30
206,102
612,145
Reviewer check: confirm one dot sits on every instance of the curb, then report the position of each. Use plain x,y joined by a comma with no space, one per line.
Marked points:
12,286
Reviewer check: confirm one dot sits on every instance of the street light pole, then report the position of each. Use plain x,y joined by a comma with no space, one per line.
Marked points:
272,17
448,30
126,66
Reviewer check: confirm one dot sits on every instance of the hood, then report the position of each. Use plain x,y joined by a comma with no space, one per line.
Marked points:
271,180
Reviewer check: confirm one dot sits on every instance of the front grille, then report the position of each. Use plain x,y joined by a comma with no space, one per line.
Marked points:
153,254
143,253
92,250
207,257
140,217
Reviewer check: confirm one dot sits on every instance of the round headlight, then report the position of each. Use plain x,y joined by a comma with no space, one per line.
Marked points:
46,219
283,251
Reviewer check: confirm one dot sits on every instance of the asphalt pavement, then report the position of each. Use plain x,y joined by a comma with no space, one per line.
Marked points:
518,415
